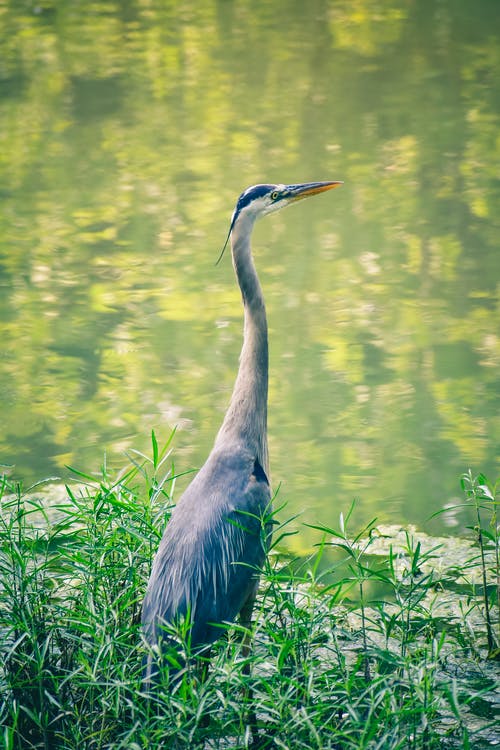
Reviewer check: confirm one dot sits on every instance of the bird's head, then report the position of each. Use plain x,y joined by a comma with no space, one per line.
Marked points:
260,200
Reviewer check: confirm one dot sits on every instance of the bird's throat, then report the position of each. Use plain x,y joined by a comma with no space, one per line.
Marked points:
246,418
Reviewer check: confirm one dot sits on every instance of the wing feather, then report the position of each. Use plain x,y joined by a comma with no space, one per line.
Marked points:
208,560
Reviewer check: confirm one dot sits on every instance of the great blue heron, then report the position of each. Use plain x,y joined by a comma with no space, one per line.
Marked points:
206,567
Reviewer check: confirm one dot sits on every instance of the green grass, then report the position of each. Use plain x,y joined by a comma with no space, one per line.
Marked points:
334,664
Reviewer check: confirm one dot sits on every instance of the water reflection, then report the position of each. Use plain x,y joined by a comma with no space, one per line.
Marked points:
129,132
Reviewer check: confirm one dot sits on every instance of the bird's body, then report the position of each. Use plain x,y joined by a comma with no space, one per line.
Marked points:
206,567
212,548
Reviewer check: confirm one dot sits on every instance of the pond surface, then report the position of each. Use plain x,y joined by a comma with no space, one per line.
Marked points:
128,131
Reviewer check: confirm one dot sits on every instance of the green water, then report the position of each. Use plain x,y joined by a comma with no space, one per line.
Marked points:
127,131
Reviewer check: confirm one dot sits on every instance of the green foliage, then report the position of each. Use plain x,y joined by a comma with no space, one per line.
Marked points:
332,666
484,499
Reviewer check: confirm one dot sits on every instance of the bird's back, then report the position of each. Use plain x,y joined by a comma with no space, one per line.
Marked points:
215,542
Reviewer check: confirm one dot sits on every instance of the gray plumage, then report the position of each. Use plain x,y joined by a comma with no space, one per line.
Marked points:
207,564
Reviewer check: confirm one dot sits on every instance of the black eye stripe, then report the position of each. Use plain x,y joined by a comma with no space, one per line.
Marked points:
249,195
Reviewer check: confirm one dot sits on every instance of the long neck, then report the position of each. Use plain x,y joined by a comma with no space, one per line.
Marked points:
246,417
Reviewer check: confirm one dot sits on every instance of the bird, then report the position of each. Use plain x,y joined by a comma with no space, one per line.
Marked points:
206,570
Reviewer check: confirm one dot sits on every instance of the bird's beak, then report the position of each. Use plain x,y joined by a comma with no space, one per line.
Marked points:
297,192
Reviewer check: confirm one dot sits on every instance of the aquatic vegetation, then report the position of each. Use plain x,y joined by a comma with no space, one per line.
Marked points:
382,638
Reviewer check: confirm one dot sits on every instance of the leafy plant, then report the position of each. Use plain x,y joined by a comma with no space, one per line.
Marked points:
483,498
333,665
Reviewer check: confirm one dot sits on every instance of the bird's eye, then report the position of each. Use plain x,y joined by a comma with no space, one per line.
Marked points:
274,195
